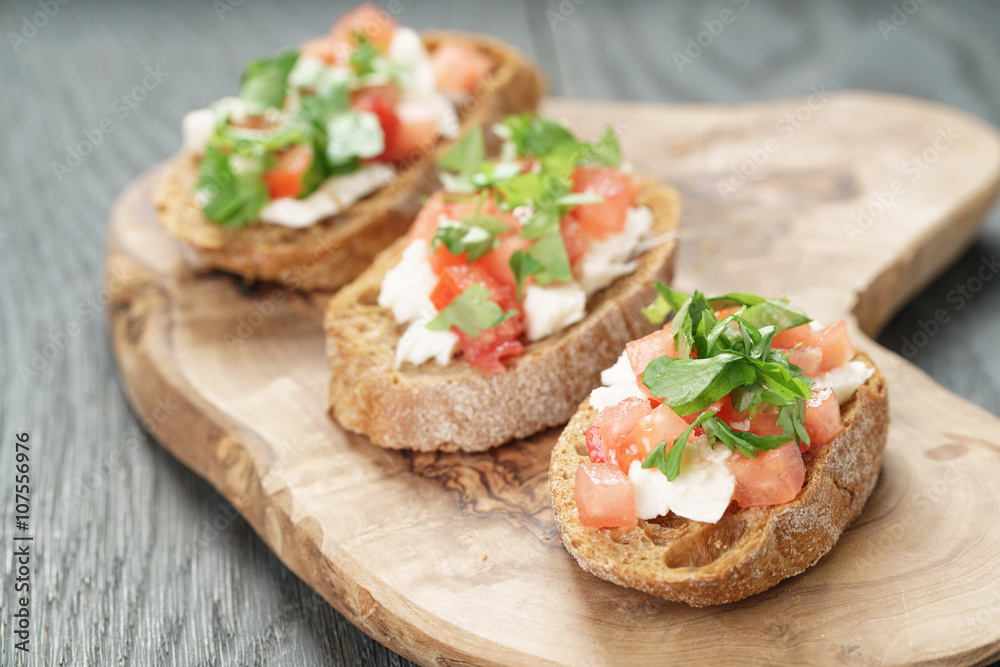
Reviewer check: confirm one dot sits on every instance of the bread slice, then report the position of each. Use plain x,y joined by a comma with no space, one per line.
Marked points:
748,550
335,250
457,407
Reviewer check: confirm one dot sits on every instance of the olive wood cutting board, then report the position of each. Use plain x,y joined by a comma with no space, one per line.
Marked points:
848,203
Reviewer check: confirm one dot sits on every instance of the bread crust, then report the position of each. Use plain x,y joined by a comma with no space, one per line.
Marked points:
335,250
459,408
748,550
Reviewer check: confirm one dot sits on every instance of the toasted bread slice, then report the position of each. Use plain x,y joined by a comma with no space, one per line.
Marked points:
457,407
335,250
748,550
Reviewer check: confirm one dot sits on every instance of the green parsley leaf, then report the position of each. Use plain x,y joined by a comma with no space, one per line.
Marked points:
471,311
549,250
364,56
459,238
265,82
353,134
467,154
670,464
691,385
745,443
667,301
604,152
523,265
232,198
791,418
773,312
536,136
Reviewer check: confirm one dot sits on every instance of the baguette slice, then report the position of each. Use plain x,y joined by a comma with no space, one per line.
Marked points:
748,550
335,250
457,407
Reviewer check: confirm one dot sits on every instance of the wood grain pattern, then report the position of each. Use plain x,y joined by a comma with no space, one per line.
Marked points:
455,557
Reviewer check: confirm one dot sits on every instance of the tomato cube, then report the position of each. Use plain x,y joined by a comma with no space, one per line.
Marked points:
641,352
367,21
822,417
660,424
773,478
789,338
459,67
607,218
616,422
594,445
765,424
836,345
808,358
605,498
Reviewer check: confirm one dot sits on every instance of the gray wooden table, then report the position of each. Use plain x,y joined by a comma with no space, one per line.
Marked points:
127,567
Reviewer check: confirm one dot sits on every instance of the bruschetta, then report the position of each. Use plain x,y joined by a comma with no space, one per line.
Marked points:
517,283
323,159
725,452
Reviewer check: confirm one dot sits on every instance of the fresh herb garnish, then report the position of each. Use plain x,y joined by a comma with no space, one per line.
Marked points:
232,197
265,82
732,356
471,311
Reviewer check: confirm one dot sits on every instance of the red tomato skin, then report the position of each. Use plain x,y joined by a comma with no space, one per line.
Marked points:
642,351
615,424
379,101
765,424
775,477
660,424
725,411
808,358
459,67
426,222
789,338
285,178
607,218
605,497
442,257
368,20
836,345
594,445
822,417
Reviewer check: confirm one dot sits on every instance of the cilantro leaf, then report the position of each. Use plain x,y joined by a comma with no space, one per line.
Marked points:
536,136
265,82
459,238
550,252
523,265
471,312
604,152
691,385
232,198
467,154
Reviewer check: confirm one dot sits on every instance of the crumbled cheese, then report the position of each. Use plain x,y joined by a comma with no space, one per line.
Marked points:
845,379
619,383
701,492
551,309
418,343
407,287
612,258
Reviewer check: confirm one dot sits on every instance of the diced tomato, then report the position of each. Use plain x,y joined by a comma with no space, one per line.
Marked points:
789,338
726,312
594,445
459,67
426,222
765,424
413,136
808,358
574,238
725,411
607,218
456,278
616,423
497,261
641,352
635,186
822,416
660,424
605,497
442,257
379,101
773,478
285,178
323,47
836,345
493,345
368,21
